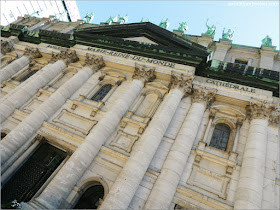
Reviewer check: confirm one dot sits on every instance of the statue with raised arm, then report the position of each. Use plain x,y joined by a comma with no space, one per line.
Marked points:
267,41
89,17
211,30
228,35
123,20
164,24
144,20
183,27
112,20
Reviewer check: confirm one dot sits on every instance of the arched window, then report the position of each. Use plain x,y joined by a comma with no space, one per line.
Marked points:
220,136
102,92
91,198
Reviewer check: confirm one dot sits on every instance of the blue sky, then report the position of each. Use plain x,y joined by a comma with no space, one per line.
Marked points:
250,20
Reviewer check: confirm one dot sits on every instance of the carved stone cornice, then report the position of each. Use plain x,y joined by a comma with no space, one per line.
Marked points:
181,81
5,47
95,61
203,95
32,52
68,56
263,110
144,73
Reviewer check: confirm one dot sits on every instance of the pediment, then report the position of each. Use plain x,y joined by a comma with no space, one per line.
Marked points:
141,39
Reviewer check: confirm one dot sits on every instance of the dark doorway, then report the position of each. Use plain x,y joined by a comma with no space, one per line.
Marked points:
23,185
91,198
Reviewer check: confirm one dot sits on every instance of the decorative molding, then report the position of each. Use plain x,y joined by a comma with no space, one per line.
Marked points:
181,81
203,95
32,52
144,72
5,47
95,61
68,56
124,141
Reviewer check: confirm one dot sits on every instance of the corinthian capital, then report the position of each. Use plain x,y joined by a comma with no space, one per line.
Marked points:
144,73
263,110
181,81
96,61
68,56
5,47
32,52
203,95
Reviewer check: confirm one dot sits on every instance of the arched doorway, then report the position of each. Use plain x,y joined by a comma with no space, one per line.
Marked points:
91,198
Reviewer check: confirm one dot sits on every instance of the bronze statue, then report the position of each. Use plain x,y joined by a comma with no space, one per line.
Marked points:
164,24
89,17
183,26
267,41
228,35
211,30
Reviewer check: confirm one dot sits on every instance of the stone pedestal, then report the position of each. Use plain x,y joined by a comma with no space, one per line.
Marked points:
222,48
168,180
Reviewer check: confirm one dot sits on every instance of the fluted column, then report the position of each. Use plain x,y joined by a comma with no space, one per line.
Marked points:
143,151
19,135
38,81
56,192
166,184
251,178
19,64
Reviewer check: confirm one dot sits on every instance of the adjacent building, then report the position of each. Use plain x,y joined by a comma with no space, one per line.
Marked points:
133,116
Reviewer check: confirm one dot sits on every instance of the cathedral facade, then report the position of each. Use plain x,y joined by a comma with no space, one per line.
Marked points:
133,116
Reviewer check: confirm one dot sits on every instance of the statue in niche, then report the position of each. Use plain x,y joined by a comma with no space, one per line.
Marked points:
112,20
183,26
89,17
267,41
211,30
228,35
164,24
123,20
144,20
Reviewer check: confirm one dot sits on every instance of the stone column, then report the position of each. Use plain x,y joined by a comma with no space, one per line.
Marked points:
166,184
143,151
19,135
38,81
56,193
251,178
211,117
19,64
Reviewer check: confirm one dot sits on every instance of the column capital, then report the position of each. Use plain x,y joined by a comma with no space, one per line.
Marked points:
32,52
94,61
143,72
263,110
203,95
5,47
181,81
68,56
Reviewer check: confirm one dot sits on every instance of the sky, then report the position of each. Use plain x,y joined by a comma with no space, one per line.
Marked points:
251,21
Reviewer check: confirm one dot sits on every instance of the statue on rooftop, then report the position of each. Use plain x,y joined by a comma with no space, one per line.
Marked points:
112,20
228,35
164,24
183,26
211,30
89,17
267,41
123,20
144,20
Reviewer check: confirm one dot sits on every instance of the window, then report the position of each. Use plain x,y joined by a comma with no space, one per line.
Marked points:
220,136
237,61
23,185
102,92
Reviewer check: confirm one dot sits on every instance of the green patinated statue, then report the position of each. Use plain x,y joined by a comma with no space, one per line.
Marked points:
123,20
183,27
112,20
144,20
89,17
211,30
267,41
228,35
164,24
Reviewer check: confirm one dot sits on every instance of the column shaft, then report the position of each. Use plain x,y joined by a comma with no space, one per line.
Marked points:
18,136
20,97
130,177
250,185
168,180
14,67
56,192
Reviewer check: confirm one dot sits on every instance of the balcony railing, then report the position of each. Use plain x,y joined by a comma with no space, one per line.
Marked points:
245,69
